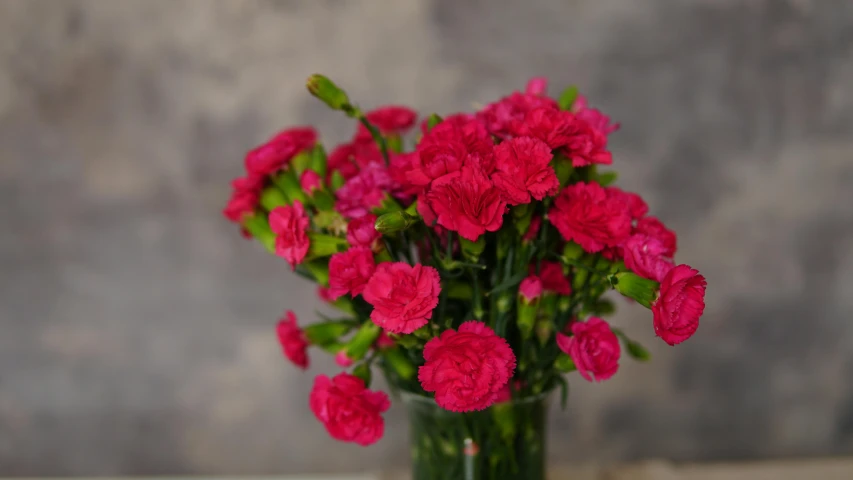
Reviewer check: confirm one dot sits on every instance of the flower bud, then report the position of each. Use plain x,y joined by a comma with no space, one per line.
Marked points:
310,181
472,250
342,359
319,161
394,222
288,183
565,363
329,93
259,227
635,287
572,251
322,245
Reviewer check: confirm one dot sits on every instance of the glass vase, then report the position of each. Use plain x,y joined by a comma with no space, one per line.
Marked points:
503,442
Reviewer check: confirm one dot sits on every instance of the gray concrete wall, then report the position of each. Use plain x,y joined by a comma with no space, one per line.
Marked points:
137,327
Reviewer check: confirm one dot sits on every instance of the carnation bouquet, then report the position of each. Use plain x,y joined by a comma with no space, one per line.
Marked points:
470,262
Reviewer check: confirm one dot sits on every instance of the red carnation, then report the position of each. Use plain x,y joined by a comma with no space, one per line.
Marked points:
468,368
349,411
349,271
390,120
646,256
292,340
593,347
240,204
524,170
403,296
362,231
679,305
553,278
632,203
445,148
506,117
310,181
593,117
290,225
583,213
323,293
363,192
466,202
554,127
586,146
249,183
349,158
654,228
273,155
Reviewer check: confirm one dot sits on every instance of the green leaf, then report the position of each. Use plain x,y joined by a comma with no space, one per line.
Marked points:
318,160
508,283
258,225
396,360
637,351
606,178
337,180
363,340
325,332
300,162
362,371
565,364
567,98
319,270
432,121
324,200
288,183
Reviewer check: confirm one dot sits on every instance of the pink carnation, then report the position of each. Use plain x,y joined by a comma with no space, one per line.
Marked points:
554,127
537,86
342,359
524,170
586,146
584,214
324,294
403,296
363,192
679,305
273,155
241,204
530,288
654,228
445,148
467,369
290,225
362,231
349,411
349,271
631,202
646,256
466,202
593,347
349,158
292,340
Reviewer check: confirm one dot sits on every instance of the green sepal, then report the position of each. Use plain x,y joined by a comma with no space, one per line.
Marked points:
635,287
526,317
396,221
301,162
432,121
473,250
563,168
328,218
319,269
607,178
258,225
288,182
322,245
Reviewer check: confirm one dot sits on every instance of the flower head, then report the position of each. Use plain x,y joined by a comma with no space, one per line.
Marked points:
362,231
552,277
633,204
646,256
349,271
679,305
654,228
241,204
389,120
530,288
593,347
506,117
403,296
363,192
466,202
583,213
290,225
467,368
292,340
276,153
349,411
594,118
524,170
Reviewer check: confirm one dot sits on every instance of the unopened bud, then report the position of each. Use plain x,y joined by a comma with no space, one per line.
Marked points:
394,222
326,90
635,287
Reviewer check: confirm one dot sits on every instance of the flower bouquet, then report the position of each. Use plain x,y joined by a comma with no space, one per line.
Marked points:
470,267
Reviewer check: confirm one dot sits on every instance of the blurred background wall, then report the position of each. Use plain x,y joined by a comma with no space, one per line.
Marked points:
137,326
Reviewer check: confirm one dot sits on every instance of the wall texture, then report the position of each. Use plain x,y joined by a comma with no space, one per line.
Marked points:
137,327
